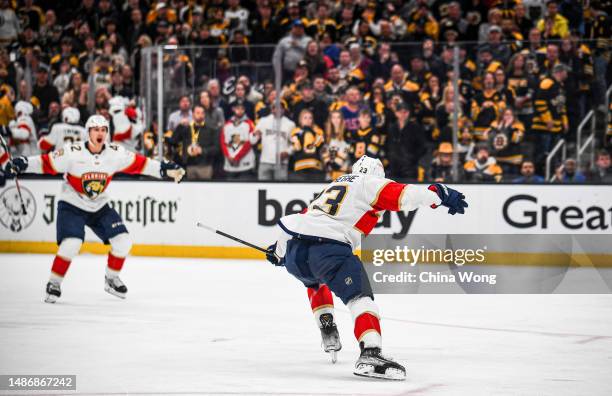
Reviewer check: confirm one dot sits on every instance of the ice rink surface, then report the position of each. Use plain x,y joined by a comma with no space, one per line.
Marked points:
192,326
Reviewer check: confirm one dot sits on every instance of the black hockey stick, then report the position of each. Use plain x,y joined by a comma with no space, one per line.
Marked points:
5,147
233,238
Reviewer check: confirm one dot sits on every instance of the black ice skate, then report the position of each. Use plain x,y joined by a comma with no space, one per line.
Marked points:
329,336
53,292
373,364
114,286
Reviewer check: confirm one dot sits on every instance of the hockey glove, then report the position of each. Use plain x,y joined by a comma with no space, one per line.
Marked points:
272,257
452,199
172,170
15,167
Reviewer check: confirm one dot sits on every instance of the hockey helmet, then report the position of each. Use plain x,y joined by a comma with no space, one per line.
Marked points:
369,166
24,108
97,120
71,115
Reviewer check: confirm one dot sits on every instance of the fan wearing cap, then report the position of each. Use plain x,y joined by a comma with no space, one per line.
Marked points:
43,93
67,131
88,168
292,48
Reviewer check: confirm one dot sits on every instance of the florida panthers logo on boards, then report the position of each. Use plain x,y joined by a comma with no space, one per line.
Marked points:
11,213
94,183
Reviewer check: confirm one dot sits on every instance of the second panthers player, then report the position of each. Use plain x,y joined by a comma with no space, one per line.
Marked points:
316,247
88,169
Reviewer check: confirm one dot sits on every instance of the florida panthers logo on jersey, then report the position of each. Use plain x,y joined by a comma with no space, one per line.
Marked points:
94,183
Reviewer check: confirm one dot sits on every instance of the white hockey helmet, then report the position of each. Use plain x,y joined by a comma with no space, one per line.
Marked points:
71,115
24,108
97,120
369,166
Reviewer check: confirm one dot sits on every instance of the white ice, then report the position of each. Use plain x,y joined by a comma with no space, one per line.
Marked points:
244,327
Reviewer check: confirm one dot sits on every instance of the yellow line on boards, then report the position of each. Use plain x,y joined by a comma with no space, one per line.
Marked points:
138,250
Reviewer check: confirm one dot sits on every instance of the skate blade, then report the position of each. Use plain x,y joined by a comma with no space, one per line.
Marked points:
366,370
51,299
115,293
334,356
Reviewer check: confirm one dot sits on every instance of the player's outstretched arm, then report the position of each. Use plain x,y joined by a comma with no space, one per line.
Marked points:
137,164
47,164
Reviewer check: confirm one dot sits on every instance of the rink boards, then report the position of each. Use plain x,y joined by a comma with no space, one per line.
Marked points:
161,216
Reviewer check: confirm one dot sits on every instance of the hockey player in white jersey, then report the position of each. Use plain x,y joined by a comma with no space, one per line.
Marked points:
88,168
316,246
128,123
23,130
66,132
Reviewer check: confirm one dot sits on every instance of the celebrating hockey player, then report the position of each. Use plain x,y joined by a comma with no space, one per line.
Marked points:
23,130
316,246
88,168
66,132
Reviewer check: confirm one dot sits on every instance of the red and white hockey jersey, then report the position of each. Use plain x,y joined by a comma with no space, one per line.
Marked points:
237,140
350,207
88,175
23,134
61,134
127,121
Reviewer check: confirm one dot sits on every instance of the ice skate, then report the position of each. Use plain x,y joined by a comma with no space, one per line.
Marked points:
114,286
373,364
330,338
53,292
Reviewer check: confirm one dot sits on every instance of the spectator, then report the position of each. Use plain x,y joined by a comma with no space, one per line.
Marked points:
505,137
528,175
274,131
240,95
307,143
483,168
368,139
350,110
550,120
441,170
487,105
183,115
602,172
251,93
291,49
214,115
199,143
9,29
43,93
405,145
553,25
237,140
567,173
309,101
316,62
336,159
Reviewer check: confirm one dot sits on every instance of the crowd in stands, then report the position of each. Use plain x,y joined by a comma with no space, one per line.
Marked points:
358,77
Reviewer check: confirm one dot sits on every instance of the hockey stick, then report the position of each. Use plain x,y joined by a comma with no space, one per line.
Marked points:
233,238
5,146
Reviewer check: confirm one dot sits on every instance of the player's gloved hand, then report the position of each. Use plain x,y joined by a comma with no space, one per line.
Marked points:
271,255
452,199
172,170
15,167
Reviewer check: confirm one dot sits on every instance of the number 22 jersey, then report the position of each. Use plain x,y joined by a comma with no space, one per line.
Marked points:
87,175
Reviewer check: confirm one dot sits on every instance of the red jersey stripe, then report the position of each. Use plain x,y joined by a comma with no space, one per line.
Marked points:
75,182
119,137
367,222
365,323
47,165
44,145
137,165
389,197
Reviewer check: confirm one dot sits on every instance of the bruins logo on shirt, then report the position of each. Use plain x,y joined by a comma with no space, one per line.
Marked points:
94,183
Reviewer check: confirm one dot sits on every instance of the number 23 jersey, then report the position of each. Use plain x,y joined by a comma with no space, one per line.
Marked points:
87,175
347,208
